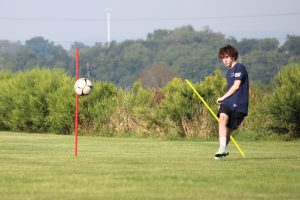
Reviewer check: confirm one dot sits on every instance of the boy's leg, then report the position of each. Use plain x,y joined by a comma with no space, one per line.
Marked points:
233,124
229,131
223,134
222,125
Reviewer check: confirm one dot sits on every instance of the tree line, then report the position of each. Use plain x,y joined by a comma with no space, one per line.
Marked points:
164,54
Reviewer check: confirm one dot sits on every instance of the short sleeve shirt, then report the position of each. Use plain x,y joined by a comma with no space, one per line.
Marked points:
239,100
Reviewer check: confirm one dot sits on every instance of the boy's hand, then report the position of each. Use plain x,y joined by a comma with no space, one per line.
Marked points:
219,100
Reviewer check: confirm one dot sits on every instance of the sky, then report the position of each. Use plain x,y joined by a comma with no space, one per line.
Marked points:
66,21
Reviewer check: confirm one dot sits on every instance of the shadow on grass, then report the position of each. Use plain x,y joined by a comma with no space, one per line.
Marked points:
263,158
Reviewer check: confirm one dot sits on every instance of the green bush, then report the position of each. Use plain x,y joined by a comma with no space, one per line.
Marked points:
257,118
185,109
98,108
178,102
61,104
6,105
212,87
43,100
26,103
283,105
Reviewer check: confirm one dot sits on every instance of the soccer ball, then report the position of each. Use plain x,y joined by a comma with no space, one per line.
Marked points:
83,86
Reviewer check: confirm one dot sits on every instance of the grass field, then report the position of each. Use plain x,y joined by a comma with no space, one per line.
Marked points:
43,166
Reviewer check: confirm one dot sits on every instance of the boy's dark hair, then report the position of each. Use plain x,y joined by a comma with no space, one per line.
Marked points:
229,51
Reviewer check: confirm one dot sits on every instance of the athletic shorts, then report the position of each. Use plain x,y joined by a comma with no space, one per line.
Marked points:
235,118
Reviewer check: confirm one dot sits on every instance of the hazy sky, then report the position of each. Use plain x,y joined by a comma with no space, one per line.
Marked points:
66,21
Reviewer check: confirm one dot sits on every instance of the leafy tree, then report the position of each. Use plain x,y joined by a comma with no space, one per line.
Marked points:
39,45
245,46
157,75
79,45
291,46
268,44
263,65
10,48
41,52
157,35
134,57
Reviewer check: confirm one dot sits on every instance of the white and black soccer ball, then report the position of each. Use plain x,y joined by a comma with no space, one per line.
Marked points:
83,86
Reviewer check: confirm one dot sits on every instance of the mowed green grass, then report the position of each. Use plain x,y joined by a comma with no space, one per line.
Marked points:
43,166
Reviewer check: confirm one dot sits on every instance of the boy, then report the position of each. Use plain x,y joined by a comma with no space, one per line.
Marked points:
234,103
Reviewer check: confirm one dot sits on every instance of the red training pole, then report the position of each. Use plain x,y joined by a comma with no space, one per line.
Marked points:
76,105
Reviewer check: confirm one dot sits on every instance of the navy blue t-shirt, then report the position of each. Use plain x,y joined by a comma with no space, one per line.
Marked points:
240,99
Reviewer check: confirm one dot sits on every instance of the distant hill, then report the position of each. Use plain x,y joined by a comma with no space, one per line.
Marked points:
180,52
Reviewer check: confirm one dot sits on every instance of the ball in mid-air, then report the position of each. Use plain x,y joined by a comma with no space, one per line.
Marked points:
83,86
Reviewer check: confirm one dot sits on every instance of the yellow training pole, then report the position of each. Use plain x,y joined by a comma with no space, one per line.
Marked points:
212,112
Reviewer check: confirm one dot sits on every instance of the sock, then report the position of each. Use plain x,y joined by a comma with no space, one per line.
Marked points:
222,143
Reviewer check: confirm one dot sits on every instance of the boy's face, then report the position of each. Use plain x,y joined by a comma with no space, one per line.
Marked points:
228,61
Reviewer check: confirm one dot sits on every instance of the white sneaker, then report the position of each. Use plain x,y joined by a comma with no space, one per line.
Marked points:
221,154
218,158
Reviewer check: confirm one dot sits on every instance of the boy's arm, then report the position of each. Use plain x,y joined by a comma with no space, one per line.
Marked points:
231,91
